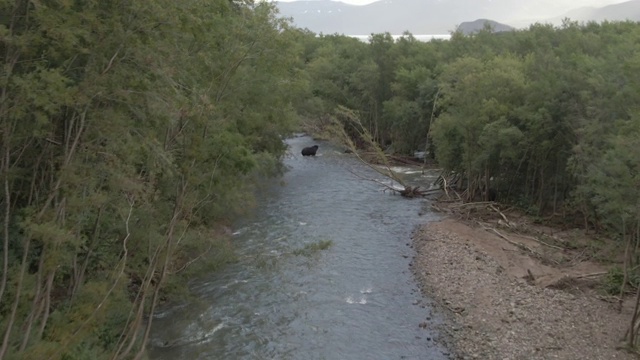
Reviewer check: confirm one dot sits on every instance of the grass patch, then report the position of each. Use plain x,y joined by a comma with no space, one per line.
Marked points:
612,282
312,248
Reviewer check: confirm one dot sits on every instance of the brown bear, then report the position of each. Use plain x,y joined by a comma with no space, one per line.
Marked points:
310,151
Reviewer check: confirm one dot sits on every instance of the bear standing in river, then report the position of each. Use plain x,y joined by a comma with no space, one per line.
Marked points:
310,151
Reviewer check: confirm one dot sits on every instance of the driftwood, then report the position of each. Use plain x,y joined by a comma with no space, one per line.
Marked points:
408,191
415,191
375,158
514,243
472,204
404,160
501,214
511,225
590,275
542,242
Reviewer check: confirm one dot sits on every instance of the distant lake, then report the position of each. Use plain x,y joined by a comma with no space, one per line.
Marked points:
425,38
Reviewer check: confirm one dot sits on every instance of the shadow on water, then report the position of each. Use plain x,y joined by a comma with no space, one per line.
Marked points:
291,296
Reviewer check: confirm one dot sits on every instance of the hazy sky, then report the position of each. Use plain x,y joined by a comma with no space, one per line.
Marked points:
569,3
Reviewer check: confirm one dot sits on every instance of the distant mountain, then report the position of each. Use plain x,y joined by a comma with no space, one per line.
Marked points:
435,16
471,27
629,10
394,16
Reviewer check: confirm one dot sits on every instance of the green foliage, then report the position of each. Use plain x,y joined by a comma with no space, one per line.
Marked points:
448,138
611,179
130,133
612,282
546,116
477,132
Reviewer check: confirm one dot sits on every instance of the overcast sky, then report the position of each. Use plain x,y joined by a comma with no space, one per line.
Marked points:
569,3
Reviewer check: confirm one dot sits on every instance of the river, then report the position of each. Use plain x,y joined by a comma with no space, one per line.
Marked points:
290,296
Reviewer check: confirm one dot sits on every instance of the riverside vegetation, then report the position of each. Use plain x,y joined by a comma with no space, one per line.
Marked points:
133,132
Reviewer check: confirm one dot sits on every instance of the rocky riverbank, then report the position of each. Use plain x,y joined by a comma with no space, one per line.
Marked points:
505,301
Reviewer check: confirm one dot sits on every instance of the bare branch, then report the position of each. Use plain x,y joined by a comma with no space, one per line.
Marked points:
111,61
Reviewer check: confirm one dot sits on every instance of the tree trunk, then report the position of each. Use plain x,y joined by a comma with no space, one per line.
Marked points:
14,309
47,304
35,306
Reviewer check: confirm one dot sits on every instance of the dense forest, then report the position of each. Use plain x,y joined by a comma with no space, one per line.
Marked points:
132,133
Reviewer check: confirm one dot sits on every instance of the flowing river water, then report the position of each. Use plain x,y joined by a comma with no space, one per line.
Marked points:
289,297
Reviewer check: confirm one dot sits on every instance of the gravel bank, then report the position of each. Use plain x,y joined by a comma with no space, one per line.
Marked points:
496,315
